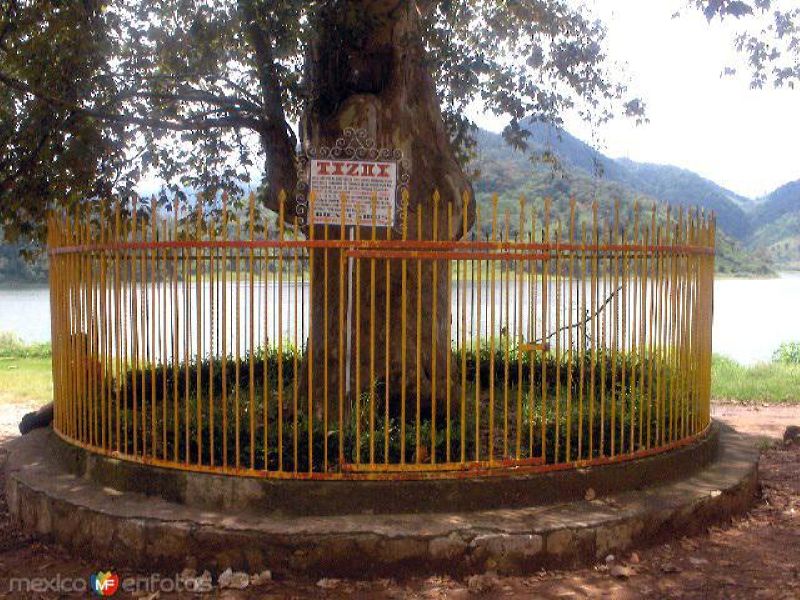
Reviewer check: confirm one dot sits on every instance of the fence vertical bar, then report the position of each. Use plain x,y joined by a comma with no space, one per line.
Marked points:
545,321
374,237
570,305
279,399
387,350
464,225
518,283
403,337
295,350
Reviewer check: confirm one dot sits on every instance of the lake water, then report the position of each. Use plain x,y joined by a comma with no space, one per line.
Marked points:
751,317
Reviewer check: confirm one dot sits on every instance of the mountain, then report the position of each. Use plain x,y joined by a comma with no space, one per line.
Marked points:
776,223
560,166
685,188
663,182
766,229
783,201
754,234
14,268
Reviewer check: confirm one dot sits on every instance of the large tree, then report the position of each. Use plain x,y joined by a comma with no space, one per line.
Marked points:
770,39
96,93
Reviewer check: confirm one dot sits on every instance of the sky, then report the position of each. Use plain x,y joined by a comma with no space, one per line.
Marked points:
743,139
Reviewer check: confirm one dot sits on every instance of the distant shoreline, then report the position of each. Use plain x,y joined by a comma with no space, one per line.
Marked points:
15,284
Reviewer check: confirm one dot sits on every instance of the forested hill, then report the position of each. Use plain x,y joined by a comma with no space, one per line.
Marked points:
756,236
664,183
776,225
561,166
14,268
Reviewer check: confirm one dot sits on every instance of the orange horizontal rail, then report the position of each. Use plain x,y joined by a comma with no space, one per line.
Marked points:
445,255
380,244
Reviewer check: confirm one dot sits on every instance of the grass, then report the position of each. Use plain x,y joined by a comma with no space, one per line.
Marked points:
25,376
25,381
11,346
401,438
25,372
769,383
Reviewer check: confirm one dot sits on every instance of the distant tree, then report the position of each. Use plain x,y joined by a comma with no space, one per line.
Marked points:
771,40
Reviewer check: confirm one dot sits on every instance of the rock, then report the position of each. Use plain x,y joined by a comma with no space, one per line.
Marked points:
198,585
225,577
327,583
34,420
610,558
621,572
263,578
791,435
698,561
590,495
634,558
235,581
239,581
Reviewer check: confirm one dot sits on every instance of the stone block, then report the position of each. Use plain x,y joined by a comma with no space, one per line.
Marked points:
618,536
129,540
506,552
447,548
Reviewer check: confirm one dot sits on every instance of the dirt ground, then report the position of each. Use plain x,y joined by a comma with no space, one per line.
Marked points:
757,556
10,414
767,421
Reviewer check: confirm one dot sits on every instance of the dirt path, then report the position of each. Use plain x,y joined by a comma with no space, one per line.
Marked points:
761,420
11,412
757,556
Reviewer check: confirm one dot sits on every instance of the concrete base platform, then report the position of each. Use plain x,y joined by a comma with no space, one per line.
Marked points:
125,528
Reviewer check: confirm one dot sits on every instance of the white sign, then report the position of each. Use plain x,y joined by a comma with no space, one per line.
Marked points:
359,181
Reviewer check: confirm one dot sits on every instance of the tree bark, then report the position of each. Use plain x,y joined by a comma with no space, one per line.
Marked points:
277,139
367,70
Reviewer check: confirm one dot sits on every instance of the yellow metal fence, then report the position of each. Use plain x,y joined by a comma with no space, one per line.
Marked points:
214,342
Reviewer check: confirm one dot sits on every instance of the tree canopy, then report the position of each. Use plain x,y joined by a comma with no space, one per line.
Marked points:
771,40
97,94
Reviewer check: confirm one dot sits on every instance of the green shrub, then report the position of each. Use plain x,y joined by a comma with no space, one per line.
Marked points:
774,382
787,353
11,346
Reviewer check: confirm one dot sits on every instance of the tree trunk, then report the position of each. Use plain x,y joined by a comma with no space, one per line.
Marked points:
367,70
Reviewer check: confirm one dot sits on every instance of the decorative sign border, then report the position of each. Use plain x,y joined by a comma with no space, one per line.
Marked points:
355,144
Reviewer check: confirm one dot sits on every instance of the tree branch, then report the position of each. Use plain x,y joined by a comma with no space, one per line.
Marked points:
227,122
277,139
586,320
195,95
